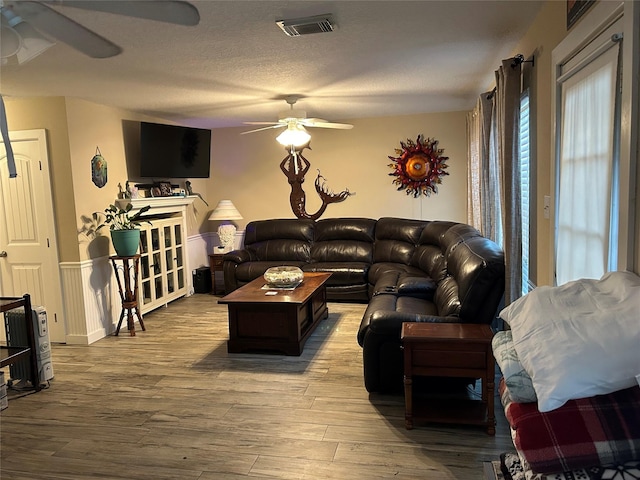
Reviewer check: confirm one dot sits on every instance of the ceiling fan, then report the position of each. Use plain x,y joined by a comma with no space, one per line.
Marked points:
295,122
19,18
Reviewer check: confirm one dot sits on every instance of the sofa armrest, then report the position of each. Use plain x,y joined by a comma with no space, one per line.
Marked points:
424,287
385,322
237,256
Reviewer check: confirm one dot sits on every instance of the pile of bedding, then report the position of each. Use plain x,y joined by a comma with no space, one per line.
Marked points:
599,430
512,468
569,366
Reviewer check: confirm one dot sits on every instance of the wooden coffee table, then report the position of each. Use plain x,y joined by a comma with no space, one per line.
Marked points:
275,319
449,350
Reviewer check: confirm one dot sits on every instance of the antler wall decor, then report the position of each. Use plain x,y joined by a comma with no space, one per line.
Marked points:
295,167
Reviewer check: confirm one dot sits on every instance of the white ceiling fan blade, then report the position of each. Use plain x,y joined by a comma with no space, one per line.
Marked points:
318,122
261,129
264,123
178,12
64,29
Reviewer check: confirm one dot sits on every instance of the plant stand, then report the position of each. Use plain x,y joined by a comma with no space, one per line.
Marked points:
128,295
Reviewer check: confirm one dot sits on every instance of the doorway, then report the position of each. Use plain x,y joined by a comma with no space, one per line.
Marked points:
28,247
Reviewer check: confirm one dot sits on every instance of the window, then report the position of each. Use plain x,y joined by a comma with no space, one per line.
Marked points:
586,175
525,190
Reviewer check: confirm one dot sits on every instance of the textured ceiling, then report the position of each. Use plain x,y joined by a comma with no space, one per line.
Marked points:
385,58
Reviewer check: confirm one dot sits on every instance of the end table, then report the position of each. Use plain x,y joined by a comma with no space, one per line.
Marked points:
216,263
449,350
128,270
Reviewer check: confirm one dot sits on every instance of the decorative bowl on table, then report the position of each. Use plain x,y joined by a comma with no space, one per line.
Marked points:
283,277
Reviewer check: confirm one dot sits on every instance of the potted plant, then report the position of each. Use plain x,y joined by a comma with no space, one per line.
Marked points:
124,226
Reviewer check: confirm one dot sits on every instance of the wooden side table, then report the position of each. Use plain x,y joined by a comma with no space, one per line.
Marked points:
127,273
215,265
12,354
449,350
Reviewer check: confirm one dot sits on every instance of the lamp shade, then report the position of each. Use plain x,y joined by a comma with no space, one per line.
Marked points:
225,210
295,135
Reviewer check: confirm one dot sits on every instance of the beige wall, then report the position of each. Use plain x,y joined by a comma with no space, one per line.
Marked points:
246,169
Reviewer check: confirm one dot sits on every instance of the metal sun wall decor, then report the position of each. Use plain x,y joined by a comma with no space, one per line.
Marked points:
419,166
295,167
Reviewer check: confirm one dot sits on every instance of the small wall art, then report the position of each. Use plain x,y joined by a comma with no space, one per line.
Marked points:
99,169
419,166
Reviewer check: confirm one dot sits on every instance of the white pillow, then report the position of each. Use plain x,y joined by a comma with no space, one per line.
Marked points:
579,339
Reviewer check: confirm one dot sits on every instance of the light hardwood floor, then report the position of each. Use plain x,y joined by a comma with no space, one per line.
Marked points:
170,403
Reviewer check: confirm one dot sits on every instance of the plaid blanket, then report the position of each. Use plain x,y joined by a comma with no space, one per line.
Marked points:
599,430
512,468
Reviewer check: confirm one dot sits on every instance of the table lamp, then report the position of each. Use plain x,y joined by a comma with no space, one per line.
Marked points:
226,211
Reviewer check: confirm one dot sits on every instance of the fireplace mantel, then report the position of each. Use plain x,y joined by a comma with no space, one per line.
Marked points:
159,205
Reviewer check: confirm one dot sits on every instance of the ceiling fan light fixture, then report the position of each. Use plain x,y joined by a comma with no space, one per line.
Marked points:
10,42
294,135
31,42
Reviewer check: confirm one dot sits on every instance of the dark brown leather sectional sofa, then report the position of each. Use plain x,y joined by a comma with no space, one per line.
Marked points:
406,270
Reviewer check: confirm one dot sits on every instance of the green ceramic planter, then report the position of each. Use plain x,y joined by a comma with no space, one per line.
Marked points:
125,242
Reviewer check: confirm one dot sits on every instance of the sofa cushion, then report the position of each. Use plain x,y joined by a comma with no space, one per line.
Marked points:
279,240
391,311
284,228
387,273
282,250
396,240
357,229
343,240
433,232
431,260
342,273
342,251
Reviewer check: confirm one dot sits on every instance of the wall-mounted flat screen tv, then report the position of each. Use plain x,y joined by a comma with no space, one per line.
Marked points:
170,151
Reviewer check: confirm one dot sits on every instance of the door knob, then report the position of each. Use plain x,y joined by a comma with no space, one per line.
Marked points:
3,254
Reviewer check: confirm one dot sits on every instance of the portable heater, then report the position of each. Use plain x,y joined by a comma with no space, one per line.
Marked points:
17,336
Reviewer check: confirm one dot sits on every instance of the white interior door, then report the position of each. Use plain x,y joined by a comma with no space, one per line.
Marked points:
29,256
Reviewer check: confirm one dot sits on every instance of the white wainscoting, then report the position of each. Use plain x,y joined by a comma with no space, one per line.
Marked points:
90,292
200,246
91,300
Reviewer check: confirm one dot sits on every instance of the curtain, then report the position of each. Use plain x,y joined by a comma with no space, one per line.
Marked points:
474,211
586,170
507,104
494,171
481,196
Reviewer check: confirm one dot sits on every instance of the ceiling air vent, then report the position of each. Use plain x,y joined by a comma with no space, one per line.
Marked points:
307,25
